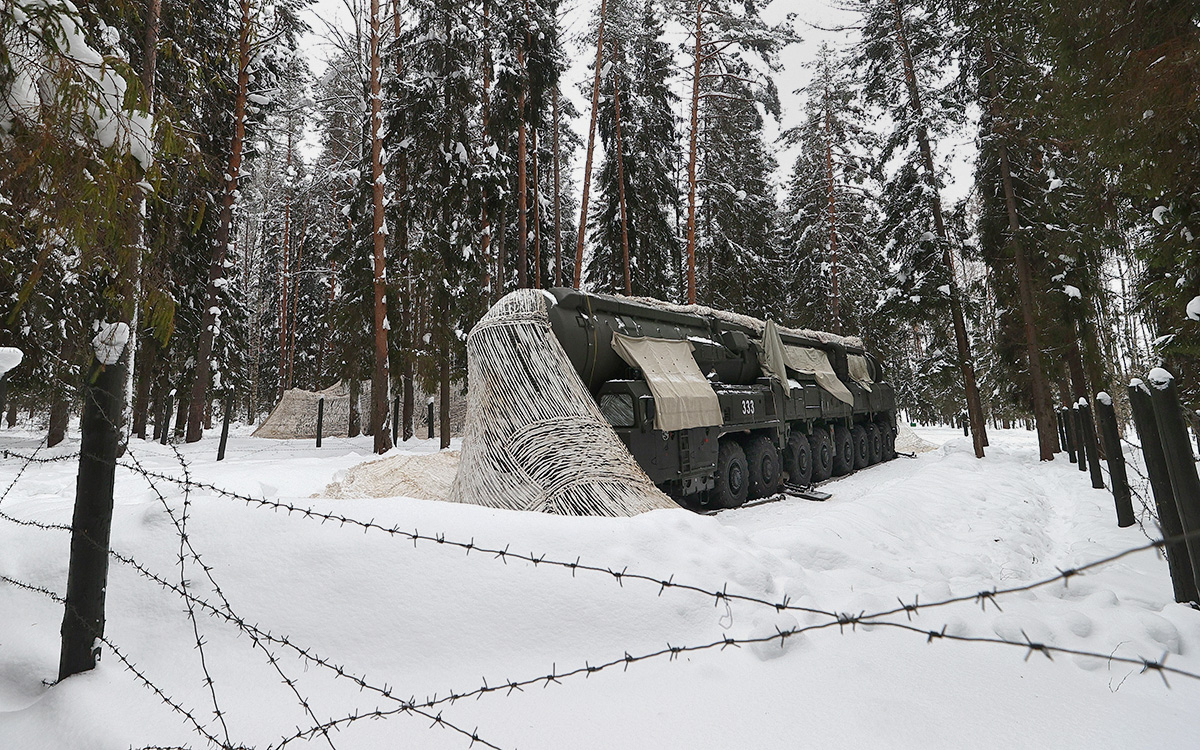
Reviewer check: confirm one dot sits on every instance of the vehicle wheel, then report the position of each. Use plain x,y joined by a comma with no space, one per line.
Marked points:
875,442
798,460
843,451
733,476
889,443
762,459
821,450
862,447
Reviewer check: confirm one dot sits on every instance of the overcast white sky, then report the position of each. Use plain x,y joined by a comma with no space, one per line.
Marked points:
815,21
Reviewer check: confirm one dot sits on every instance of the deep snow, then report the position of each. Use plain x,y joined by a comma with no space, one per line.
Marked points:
427,618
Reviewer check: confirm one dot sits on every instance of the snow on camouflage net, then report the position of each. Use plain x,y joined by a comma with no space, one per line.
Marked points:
535,439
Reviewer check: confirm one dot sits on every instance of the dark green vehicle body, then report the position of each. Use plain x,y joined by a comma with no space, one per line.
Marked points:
760,417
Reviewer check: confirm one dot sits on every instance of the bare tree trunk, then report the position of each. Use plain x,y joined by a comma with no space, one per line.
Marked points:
557,202
59,416
1047,428
285,274
379,374
621,185
216,269
966,360
835,302
522,178
537,213
485,233
691,239
147,356
406,295
587,169
295,295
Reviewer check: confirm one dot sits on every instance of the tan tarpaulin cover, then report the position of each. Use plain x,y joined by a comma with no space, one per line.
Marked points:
774,361
683,397
816,363
859,371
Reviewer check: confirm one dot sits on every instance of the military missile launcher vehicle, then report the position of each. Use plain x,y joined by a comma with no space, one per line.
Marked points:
720,408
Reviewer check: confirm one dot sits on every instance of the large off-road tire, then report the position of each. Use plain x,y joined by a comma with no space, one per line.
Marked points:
889,442
733,476
843,451
797,459
821,450
862,448
874,443
766,470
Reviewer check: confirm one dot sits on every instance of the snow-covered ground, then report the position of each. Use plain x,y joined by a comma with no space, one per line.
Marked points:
428,619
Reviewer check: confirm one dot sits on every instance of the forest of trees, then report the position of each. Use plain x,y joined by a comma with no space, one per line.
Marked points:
176,165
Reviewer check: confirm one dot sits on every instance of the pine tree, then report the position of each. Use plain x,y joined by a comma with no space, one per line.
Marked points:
635,215
831,269
900,57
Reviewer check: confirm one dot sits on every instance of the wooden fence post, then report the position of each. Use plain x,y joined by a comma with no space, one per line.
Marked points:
431,420
1093,447
1106,415
1080,438
1062,430
225,427
1185,485
1178,560
168,402
91,525
395,419
320,419
1069,431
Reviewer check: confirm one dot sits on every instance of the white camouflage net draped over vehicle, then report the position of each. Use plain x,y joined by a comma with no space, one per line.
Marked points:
535,439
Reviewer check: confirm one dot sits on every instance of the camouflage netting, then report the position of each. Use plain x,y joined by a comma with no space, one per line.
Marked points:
295,416
535,439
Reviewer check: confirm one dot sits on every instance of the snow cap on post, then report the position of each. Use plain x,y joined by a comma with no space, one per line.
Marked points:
1083,402
10,357
110,342
1104,398
1193,308
1160,378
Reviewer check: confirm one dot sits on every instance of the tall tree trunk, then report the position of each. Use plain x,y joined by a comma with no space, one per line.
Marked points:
406,295
216,270
691,238
621,184
557,200
147,357
284,275
379,373
59,416
966,360
295,295
522,191
587,168
537,213
485,233
1043,412
831,192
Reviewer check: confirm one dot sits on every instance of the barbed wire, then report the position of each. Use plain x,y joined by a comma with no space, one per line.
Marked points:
422,708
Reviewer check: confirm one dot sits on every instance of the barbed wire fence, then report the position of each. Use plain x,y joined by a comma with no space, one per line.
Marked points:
214,731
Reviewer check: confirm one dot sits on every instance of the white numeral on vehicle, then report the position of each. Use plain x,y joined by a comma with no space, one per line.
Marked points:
747,407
